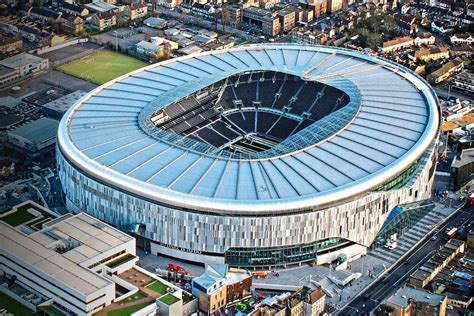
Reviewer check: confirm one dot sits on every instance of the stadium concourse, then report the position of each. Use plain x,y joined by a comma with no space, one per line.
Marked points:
256,156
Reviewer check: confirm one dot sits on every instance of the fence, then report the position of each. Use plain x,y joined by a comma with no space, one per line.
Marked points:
76,56
62,45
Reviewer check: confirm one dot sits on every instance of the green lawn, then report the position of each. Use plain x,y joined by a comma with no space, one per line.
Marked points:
187,298
157,286
114,263
19,217
128,310
22,216
134,297
168,299
13,307
102,66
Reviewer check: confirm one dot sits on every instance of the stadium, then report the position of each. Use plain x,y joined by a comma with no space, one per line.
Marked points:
256,156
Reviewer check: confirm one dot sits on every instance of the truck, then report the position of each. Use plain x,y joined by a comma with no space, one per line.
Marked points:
470,199
260,274
177,269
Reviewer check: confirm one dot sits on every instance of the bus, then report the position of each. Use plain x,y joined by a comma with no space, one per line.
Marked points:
452,233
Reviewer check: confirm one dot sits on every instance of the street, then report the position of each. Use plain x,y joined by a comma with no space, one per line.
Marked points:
372,296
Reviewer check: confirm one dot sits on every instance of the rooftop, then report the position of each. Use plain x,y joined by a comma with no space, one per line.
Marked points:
466,157
62,248
20,60
38,131
403,295
65,102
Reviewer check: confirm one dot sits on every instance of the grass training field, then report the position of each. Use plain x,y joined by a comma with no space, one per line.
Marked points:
102,66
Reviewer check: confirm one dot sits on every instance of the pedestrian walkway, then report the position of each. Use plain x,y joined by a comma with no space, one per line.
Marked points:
412,236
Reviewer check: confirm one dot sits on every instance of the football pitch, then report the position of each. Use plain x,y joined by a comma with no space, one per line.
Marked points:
102,66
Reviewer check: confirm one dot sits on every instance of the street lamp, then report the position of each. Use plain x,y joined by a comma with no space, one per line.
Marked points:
116,41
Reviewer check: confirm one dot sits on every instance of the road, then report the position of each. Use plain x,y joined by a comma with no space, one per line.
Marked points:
371,297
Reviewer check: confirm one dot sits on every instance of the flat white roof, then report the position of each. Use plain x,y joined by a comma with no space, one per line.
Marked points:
90,237
396,122
21,60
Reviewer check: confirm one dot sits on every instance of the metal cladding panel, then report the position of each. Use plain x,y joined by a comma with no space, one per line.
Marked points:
89,106
392,139
166,175
96,150
139,158
396,118
227,187
208,183
133,88
151,167
188,179
119,94
246,188
124,152
328,171
158,81
375,153
99,100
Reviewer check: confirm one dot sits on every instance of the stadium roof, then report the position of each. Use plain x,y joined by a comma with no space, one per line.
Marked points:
395,121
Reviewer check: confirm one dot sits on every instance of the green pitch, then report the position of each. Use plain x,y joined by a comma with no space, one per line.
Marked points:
102,66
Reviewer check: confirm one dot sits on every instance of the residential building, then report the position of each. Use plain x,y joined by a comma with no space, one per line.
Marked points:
441,28
336,5
233,14
73,9
410,302
101,7
219,286
424,39
397,43
268,21
308,16
446,71
462,167
464,81
426,273
432,53
155,50
463,51
304,301
103,20
10,45
63,260
170,3
71,24
287,19
43,14
314,303
135,11
465,38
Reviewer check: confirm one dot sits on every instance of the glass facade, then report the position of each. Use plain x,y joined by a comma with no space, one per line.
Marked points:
401,219
243,257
